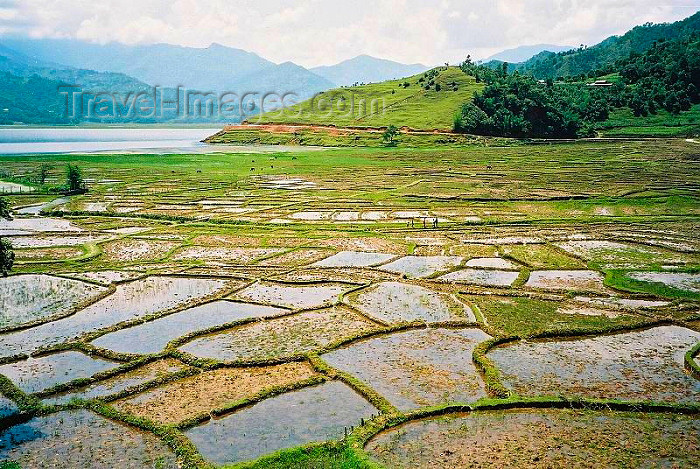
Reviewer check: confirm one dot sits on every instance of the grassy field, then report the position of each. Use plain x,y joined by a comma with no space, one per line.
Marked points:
622,123
590,214
389,102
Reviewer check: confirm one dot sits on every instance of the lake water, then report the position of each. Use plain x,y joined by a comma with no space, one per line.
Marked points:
38,140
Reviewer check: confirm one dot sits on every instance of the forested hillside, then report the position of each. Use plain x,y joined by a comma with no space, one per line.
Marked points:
586,60
30,100
665,77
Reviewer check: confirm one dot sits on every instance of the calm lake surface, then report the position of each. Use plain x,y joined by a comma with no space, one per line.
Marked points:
28,140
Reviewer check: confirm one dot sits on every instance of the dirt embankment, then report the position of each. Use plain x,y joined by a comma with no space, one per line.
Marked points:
331,129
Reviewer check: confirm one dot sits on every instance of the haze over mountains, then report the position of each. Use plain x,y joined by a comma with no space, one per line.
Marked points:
366,69
214,68
121,68
523,53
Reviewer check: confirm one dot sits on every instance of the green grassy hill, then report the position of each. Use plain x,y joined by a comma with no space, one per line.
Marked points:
426,101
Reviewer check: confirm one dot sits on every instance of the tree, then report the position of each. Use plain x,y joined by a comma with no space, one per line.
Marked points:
74,178
7,257
43,173
5,209
390,134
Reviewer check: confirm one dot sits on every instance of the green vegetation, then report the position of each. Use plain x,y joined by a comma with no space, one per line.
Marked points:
389,135
31,100
333,137
665,77
9,465
623,123
426,101
527,317
74,178
7,257
519,106
329,455
541,257
620,280
587,60
5,209
514,105
43,173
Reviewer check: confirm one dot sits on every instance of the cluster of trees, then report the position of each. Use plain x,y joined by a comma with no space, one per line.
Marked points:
666,76
514,105
583,60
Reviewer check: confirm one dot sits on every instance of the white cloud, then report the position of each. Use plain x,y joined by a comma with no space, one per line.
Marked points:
315,32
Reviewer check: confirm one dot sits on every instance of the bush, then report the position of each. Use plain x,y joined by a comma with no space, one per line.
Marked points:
5,209
390,134
7,257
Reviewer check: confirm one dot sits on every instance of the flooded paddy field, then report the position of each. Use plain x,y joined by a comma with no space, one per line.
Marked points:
292,419
80,438
392,302
191,397
28,298
416,368
283,337
536,438
152,337
199,314
38,374
644,365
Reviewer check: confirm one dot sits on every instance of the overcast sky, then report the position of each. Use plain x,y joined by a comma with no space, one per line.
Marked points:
318,32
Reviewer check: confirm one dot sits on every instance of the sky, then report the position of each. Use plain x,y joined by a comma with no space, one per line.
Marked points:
323,32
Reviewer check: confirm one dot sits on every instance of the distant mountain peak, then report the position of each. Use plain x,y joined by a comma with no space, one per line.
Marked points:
523,53
366,69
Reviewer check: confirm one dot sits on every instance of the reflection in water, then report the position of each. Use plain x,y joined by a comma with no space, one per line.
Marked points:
312,414
153,336
130,301
37,374
80,438
25,298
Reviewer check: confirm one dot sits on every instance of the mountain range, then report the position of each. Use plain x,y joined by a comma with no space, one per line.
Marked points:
214,68
122,68
31,68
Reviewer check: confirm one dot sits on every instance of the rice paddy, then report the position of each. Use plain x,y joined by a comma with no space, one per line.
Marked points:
393,306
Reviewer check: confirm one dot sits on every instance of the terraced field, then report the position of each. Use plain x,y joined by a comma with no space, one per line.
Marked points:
519,306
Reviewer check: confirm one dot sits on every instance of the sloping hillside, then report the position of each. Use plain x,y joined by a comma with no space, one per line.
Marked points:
584,60
30,100
425,101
